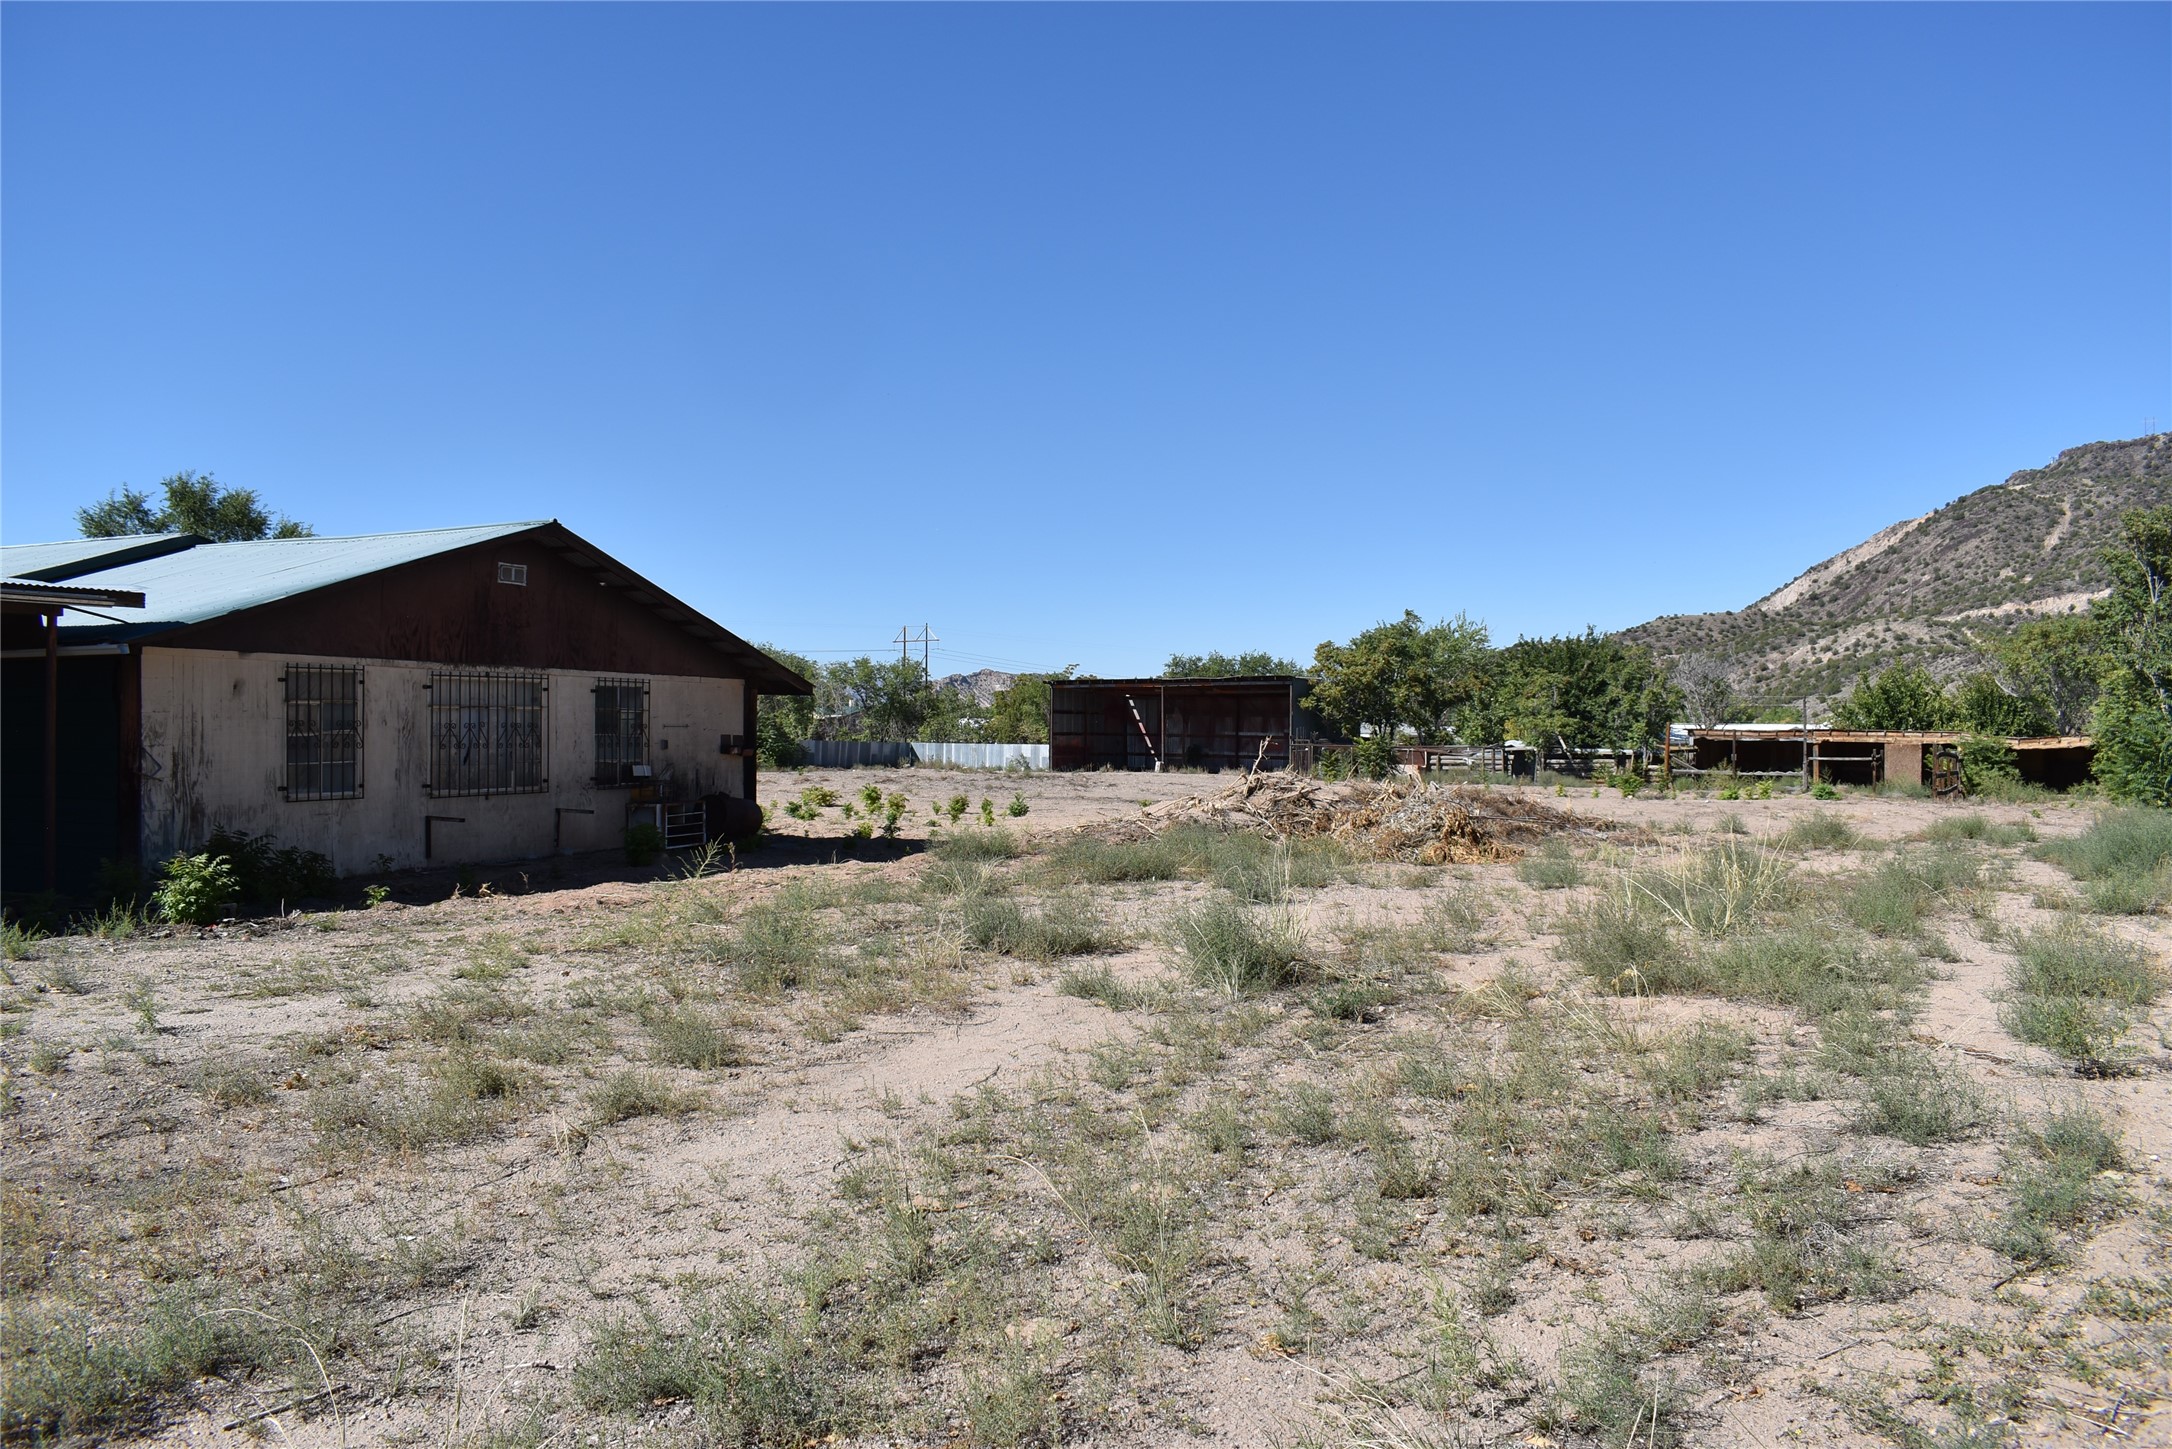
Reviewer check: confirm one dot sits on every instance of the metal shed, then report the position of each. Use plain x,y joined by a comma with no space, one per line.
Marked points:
1197,724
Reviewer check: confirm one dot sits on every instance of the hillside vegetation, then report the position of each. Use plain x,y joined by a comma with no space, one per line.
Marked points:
1929,590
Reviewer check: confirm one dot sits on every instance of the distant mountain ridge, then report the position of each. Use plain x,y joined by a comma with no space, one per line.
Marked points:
1927,590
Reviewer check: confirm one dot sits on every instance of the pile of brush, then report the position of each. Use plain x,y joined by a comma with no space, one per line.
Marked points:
1397,819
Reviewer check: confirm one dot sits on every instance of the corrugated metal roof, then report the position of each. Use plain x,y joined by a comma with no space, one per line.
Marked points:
36,591
194,584
52,562
214,579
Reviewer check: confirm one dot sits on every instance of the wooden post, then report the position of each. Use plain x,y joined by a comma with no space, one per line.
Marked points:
1807,777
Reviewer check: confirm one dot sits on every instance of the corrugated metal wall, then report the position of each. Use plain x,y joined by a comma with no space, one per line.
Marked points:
842,754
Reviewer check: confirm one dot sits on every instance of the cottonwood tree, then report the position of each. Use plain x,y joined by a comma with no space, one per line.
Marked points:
1708,691
782,721
1019,714
1587,691
1401,675
1904,697
2133,718
2056,661
1217,665
192,503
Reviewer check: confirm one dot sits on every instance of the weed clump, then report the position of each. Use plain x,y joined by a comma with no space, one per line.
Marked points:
1063,926
1978,828
1550,868
992,843
1238,947
686,1037
1821,830
2077,991
2057,1186
635,1093
1894,898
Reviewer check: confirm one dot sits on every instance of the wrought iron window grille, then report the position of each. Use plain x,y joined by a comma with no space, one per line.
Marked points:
324,731
622,729
487,732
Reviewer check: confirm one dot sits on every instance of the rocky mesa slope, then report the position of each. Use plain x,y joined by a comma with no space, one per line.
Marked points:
1929,590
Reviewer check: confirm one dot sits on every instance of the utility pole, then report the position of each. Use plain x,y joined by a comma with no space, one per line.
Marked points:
925,640
904,642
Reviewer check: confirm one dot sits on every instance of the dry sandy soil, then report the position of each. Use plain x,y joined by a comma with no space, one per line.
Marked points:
1710,1131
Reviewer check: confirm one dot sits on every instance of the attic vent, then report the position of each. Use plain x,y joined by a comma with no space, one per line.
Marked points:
513,574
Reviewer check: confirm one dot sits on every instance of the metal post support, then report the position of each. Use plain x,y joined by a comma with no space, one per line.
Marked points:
52,750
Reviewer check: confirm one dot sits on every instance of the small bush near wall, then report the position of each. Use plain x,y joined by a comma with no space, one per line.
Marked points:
269,874
196,889
644,842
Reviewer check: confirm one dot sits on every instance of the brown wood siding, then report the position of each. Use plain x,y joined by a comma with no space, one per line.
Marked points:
451,609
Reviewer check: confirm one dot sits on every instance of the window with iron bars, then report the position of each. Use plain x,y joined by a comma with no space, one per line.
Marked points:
324,732
486,733
622,729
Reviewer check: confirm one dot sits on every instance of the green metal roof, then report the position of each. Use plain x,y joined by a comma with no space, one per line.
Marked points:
52,562
211,580
186,581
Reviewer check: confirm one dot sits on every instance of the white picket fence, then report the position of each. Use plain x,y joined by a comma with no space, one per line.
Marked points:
844,754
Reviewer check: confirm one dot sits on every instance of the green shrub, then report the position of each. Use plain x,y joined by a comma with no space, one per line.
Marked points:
1373,758
196,889
18,937
1988,766
635,1093
1623,940
644,843
266,873
1626,781
686,1037
1018,805
1913,1097
1820,790
2129,895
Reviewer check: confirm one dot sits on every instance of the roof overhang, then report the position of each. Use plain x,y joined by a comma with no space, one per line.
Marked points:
24,596
762,672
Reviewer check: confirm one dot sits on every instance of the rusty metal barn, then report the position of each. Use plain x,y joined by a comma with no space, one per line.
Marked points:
1179,724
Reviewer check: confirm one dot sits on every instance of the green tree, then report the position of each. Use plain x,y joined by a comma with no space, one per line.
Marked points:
1983,706
891,699
1904,697
1019,715
1587,691
194,503
1400,675
1222,666
781,721
2133,716
2056,661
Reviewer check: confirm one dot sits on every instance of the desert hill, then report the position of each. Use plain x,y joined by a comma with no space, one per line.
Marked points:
1927,590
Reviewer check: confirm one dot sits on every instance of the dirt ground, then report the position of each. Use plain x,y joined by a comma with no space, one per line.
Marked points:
1028,1140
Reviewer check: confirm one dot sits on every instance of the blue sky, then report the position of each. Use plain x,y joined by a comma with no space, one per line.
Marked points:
1089,334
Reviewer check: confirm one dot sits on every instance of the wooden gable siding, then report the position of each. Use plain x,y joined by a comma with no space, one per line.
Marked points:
451,609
